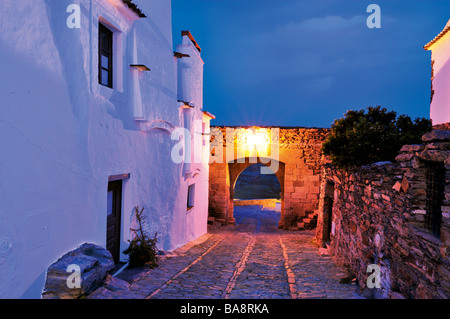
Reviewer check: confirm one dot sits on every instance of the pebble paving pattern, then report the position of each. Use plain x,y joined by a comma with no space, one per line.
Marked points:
250,260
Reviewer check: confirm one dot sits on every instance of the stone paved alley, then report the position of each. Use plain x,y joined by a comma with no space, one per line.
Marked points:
252,259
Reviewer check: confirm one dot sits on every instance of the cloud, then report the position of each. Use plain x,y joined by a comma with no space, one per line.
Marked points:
306,55
315,86
317,47
327,23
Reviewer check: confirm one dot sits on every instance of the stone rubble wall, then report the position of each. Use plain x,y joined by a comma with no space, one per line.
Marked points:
378,217
444,126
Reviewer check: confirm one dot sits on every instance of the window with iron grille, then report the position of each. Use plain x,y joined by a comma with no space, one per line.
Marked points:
435,196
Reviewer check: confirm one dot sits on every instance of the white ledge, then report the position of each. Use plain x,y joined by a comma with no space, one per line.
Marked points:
192,173
156,126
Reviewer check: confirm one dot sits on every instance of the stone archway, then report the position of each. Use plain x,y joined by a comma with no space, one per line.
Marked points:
300,164
235,169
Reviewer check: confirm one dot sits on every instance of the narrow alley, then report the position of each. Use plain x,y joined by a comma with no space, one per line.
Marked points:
250,260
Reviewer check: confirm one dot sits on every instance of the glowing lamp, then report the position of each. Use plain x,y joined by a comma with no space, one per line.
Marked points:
256,139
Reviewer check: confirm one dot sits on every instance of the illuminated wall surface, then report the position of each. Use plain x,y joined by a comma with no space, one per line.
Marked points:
440,48
64,134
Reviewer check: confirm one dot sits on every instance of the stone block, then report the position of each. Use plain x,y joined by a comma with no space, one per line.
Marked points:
222,174
312,196
324,252
434,155
289,189
299,195
301,189
397,186
94,263
445,236
436,135
299,183
412,148
290,177
220,200
445,146
221,212
404,157
314,190
368,191
296,206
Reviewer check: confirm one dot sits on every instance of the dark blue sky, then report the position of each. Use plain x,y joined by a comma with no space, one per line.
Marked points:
306,62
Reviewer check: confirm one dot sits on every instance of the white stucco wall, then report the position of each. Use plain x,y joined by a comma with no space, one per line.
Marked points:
62,135
440,105
190,89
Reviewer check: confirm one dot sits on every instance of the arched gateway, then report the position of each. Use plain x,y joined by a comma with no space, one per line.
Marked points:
292,153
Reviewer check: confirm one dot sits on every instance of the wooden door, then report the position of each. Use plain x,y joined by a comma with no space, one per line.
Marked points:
113,218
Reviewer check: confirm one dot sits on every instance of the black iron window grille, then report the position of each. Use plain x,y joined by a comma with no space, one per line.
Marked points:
435,196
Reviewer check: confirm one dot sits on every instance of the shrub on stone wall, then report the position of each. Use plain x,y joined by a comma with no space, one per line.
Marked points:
361,137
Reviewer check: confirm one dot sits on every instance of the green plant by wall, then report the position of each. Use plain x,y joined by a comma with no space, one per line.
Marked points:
361,138
142,249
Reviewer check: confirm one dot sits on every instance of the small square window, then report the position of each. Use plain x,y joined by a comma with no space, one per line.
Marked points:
105,56
190,197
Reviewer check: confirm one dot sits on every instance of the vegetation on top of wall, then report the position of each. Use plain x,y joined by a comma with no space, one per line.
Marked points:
361,137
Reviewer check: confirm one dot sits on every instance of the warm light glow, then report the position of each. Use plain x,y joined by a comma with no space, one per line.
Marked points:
256,139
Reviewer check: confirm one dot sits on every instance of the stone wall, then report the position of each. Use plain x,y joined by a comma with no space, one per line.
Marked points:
379,217
219,191
300,148
299,172
445,126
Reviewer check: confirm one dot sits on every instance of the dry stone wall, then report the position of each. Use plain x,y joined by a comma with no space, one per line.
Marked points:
379,216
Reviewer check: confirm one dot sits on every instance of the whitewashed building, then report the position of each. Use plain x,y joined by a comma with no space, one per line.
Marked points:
440,77
93,96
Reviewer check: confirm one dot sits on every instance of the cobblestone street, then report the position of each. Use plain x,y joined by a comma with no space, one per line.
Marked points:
252,259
